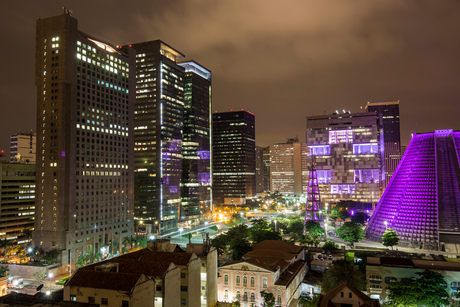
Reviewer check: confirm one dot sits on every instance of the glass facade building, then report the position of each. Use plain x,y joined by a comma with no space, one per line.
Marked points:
158,119
346,151
84,170
388,123
196,191
233,157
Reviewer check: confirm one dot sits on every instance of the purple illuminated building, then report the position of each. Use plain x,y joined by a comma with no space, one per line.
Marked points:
313,210
422,199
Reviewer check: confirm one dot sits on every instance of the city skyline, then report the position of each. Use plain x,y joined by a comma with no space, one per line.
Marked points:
281,64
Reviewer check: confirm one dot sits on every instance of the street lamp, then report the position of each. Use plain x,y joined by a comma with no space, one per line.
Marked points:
50,275
386,225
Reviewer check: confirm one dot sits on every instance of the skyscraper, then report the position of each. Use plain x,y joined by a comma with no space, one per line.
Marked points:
196,146
422,199
233,135
159,119
288,167
84,181
346,151
260,167
388,125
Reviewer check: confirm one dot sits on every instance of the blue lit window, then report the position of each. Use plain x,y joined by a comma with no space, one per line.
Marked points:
320,150
343,189
365,148
324,176
366,175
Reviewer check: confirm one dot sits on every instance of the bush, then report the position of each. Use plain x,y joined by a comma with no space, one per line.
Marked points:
330,246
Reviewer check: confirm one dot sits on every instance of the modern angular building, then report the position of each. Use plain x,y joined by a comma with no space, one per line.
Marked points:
422,199
288,167
347,153
388,123
23,148
158,133
17,202
266,173
196,188
85,121
233,135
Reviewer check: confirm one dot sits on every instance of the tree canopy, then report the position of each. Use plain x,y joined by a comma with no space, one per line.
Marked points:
360,217
390,238
314,228
351,232
426,290
343,271
269,298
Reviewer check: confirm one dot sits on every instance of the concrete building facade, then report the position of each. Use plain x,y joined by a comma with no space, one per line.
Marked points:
346,151
23,148
288,167
85,99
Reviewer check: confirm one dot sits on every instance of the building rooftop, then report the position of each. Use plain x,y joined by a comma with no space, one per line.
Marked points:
104,280
413,263
277,245
325,299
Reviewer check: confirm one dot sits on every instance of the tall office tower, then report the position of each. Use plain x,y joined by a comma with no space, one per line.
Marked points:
85,99
259,169
266,169
17,202
288,167
23,148
346,151
196,188
233,135
388,122
158,119
422,199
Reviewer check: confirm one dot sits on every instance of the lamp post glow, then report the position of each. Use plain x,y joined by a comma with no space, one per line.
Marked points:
50,275
386,225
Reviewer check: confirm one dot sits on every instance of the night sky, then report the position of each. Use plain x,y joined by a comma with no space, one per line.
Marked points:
281,60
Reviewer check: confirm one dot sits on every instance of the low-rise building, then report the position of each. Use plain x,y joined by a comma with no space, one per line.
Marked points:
346,295
171,279
273,266
382,272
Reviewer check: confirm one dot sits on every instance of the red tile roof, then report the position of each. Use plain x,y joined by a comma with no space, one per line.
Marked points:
103,280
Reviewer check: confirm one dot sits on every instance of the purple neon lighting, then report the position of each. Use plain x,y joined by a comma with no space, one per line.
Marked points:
313,210
343,189
203,154
423,196
320,150
365,148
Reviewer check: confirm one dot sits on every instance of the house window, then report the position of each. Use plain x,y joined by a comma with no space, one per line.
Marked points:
124,303
238,295
350,295
245,281
183,288
73,298
341,294
245,296
265,282
182,275
253,281
253,297
91,299
104,301
238,280
225,279
278,300
226,295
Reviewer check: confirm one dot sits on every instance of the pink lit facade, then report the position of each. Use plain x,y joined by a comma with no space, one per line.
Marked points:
422,199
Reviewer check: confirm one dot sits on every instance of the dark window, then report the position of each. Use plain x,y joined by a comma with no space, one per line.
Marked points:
182,275
91,299
349,295
341,294
183,288
104,301
124,304
158,288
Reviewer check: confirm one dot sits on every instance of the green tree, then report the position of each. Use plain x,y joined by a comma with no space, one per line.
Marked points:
269,298
351,232
343,271
338,213
238,248
236,304
390,238
309,300
220,243
40,275
51,256
360,217
426,290
235,220
314,228
330,246
4,271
